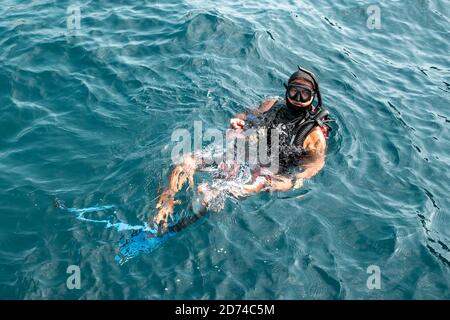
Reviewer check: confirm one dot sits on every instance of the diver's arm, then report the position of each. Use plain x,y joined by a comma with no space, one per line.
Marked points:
238,122
281,183
315,145
266,105
266,183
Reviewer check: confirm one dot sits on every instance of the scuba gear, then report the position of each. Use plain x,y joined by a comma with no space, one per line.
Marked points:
293,127
303,74
308,76
296,127
299,92
319,118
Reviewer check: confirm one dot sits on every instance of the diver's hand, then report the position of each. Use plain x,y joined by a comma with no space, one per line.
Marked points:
237,191
236,123
298,183
261,183
281,183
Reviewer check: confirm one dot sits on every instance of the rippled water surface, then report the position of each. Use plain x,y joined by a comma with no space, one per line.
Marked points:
87,117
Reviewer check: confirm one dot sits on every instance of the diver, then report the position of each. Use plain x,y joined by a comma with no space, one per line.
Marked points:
304,129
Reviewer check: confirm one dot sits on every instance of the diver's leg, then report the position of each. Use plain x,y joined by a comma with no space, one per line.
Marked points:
182,173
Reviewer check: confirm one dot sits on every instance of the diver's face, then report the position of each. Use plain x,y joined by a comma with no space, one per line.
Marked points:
298,103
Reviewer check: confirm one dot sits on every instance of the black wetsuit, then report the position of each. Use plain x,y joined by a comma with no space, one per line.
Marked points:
293,125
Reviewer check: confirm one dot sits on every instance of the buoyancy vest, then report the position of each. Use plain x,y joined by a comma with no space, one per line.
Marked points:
293,127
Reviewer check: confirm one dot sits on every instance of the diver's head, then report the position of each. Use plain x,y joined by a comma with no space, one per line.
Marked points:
301,89
300,93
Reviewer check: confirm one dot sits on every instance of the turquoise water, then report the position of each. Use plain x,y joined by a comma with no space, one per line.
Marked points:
87,117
